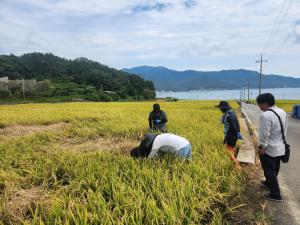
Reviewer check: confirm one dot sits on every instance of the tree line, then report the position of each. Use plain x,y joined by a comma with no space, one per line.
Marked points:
94,77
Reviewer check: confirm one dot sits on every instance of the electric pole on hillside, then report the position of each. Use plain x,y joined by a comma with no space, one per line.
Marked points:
260,73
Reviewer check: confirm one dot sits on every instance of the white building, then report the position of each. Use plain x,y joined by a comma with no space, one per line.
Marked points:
3,83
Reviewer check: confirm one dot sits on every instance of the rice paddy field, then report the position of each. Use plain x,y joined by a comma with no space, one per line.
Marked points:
287,105
69,163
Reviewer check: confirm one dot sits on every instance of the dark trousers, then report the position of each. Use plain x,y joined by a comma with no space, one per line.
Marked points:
160,127
230,140
271,166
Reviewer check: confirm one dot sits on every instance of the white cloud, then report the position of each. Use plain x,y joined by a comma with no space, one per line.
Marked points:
207,34
297,30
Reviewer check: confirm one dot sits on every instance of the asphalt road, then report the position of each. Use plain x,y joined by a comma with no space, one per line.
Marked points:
287,212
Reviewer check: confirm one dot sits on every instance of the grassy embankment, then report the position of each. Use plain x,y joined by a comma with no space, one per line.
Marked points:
79,171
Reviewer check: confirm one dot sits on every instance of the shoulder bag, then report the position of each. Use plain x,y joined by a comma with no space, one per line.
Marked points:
285,158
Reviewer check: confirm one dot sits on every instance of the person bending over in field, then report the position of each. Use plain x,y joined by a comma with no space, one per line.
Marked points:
154,145
157,119
231,128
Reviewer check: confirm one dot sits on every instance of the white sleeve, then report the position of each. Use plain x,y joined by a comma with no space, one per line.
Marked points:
264,131
153,153
286,124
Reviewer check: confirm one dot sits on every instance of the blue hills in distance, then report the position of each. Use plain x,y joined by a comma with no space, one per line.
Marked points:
172,80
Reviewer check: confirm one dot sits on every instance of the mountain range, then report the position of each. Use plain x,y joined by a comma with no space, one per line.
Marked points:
172,80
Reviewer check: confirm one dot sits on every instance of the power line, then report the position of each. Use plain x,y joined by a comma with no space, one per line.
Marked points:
279,21
282,19
284,41
274,26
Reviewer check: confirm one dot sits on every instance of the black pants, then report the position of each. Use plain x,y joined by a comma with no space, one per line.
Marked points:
230,140
271,166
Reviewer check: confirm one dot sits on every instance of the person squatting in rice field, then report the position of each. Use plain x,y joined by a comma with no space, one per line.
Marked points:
157,119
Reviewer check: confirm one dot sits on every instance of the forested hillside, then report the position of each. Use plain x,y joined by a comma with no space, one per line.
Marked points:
80,73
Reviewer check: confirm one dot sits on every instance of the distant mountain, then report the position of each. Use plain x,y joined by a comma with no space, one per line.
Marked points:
167,79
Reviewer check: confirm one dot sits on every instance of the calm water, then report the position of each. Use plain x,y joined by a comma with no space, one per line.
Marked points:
279,93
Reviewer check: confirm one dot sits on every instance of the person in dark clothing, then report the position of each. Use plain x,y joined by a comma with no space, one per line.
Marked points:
157,119
231,128
144,149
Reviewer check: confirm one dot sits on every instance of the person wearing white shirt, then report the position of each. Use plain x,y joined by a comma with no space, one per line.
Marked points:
271,145
172,144
154,145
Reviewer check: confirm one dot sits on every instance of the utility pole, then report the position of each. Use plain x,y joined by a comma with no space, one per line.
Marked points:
248,90
260,73
241,95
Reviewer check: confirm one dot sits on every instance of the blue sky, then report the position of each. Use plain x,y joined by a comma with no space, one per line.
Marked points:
178,34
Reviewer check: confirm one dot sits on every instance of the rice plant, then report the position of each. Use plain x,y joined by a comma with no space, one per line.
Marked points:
81,172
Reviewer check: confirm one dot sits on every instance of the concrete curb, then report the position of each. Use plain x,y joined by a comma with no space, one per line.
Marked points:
247,150
252,131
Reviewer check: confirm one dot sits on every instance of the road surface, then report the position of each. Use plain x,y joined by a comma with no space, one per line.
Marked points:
288,212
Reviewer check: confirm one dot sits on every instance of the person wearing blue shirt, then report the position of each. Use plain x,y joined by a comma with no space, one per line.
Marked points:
231,128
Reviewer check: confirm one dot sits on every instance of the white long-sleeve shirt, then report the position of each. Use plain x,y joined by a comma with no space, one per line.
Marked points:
270,137
168,143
